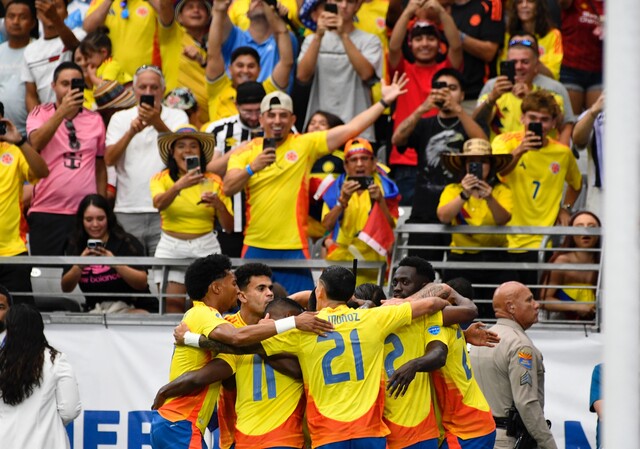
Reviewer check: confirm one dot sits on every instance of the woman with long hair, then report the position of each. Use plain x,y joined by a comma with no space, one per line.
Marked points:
190,200
532,17
38,389
98,233
573,300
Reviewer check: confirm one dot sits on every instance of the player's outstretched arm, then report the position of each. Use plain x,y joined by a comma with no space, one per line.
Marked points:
464,311
214,371
286,364
434,358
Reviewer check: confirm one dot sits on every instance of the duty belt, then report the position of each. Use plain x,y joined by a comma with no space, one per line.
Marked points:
501,423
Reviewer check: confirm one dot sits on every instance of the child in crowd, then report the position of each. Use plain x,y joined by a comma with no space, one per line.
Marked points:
98,65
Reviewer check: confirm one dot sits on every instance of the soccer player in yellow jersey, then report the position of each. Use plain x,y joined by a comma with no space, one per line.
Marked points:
276,179
181,420
410,354
536,176
343,370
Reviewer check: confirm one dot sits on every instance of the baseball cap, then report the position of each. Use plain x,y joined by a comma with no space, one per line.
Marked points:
357,146
276,100
250,92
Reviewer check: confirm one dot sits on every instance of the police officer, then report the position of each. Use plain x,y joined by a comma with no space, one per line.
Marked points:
513,373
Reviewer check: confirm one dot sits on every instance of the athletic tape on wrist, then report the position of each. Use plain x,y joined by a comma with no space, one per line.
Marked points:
192,339
285,324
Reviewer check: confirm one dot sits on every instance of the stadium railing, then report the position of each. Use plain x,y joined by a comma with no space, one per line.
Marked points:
402,248
72,301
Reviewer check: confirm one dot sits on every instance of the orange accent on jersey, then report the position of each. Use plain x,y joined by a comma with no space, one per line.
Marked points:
302,212
287,434
325,430
227,416
496,10
457,417
402,436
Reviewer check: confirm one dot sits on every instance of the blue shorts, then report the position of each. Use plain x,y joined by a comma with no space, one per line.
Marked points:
427,444
175,435
453,442
357,443
293,280
580,80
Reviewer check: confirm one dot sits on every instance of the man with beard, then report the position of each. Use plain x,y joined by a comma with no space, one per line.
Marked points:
230,133
444,132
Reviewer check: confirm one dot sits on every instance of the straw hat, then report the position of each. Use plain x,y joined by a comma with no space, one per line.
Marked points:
457,163
111,94
166,141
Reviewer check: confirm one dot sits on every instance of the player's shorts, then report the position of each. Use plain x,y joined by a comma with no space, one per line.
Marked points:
357,443
175,435
426,444
453,442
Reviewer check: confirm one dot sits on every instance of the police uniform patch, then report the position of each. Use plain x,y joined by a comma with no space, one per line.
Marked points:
525,379
525,359
434,330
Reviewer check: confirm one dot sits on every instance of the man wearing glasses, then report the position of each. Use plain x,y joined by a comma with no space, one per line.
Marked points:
501,97
71,141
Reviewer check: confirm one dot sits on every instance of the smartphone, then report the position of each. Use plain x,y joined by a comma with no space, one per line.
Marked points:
508,69
193,162
331,7
3,128
439,85
475,169
94,243
268,142
272,3
148,99
77,83
536,127
365,181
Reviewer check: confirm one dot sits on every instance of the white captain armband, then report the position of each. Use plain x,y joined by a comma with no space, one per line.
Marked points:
192,339
285,324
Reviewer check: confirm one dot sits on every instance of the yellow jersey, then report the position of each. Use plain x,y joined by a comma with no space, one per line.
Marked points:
196,407
410,424
184,214
343,371
464,411
133,38
277,197
476,212
221,96
180,70
537,184
14,171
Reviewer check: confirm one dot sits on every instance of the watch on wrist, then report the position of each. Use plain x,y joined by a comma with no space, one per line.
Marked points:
464,196
568,207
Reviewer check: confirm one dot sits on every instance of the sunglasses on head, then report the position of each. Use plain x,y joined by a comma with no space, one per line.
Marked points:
524,42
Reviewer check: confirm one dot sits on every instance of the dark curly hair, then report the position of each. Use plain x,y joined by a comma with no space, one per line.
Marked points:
203,271
245,272
22,354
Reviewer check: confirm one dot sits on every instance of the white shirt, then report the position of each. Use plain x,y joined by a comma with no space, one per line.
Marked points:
41,57
141,160
38,422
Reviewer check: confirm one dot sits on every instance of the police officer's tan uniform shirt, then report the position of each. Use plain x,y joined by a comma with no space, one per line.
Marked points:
513,372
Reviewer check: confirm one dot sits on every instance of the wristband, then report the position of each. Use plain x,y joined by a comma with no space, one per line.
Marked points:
384,103
248,168
21,142
464,196
192,339
285,324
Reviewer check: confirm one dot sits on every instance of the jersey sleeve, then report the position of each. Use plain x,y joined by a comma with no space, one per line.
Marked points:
434,328
523,369
574,177
230,359
450,192
392,318
203,320
157,185
239,159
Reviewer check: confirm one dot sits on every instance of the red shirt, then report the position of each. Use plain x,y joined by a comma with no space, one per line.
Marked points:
418,90
582,48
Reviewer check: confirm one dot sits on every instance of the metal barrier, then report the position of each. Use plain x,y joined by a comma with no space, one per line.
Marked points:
61,261
402,248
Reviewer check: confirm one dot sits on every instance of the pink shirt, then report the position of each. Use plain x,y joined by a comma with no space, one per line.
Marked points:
72,173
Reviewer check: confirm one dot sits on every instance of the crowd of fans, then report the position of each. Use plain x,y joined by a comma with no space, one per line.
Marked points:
184,116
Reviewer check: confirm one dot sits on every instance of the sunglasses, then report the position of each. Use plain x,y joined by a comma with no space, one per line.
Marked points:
154,68
125,12
524,42
74,144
